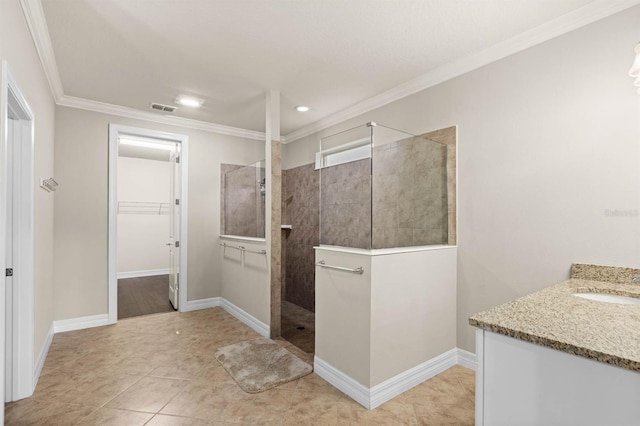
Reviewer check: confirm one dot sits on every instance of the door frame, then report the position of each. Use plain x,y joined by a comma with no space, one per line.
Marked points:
115,130
21,355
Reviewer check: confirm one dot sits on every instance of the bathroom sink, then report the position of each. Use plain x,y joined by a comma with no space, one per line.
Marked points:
609,298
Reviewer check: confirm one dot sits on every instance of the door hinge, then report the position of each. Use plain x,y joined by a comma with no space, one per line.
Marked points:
8,272
178,160
177,244
177,201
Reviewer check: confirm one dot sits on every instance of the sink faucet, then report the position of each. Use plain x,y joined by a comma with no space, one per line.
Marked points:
635,278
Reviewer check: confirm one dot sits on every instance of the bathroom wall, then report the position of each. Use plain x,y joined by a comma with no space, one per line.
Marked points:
17,48
548,152
242,204
81,207
300,199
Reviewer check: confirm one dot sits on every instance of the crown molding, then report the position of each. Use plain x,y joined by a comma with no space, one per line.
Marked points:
585,15
122,111
37,24
599,9
34,15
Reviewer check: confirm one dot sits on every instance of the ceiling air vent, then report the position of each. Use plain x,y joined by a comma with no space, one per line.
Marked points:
161,107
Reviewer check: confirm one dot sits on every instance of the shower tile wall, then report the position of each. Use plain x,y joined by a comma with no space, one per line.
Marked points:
346,204
242,205
414,204
448,137
300,201
410,194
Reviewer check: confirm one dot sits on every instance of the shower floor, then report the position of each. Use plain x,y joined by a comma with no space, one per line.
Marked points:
299,326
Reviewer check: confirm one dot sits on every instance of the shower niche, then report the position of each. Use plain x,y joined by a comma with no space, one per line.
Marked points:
242,197
386,262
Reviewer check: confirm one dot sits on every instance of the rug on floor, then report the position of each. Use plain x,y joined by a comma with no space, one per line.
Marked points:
260,364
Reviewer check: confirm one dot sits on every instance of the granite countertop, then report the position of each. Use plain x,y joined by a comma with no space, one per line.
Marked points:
553,317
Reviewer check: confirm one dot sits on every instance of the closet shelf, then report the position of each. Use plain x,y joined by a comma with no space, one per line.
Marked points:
143,207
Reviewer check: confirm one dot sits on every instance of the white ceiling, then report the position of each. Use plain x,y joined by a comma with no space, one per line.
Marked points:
328,54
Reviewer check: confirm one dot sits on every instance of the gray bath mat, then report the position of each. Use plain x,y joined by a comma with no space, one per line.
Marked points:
260,364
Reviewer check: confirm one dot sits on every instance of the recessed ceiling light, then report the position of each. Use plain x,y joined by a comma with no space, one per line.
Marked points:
143,144
302,108
189,101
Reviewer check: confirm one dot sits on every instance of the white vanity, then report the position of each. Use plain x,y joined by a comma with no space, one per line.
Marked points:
557,358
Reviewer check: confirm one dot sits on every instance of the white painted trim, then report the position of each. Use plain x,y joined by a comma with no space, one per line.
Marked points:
37,23
22,337
147,273
357,391
42,356
114,131
585,15
408,379
253,322
371,398
4,132
467,359
382,252
211,302
183,279
80,323
112,228
479,377
122,111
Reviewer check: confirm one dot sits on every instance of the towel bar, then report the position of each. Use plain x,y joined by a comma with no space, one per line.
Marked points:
358,270
242,248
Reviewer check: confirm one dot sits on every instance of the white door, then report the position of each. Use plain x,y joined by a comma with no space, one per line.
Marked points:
174,228
8,366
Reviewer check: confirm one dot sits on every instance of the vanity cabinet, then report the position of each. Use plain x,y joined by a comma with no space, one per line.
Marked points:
521,383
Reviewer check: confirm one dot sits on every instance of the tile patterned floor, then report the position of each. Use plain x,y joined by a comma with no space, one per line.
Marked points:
160,370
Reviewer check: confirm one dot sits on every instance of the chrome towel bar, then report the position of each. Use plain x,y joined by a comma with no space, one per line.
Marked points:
242,248
358,270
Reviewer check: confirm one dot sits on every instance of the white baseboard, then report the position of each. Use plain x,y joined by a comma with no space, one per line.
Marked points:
211,302
42,356
357,391
80,323
253,322
372,397
412,377
467,359
147,273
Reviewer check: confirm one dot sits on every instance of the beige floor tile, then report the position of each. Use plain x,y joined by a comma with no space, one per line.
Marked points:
110,416
99,389
163,420
203,400
318,408
391,412
184,367
32,411
265,408
123,370
314,383
458,415
149,394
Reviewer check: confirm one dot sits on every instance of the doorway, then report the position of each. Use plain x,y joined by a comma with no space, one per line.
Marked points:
147,222
16,241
